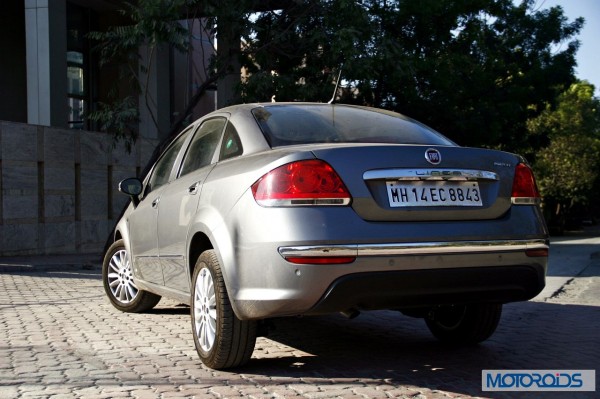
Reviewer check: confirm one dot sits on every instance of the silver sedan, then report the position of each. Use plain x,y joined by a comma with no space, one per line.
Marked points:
258,211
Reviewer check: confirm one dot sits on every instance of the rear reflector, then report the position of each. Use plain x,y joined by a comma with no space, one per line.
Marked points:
324,260
524,189
537,253
301,183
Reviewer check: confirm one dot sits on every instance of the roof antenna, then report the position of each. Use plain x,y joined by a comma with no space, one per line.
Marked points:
337,84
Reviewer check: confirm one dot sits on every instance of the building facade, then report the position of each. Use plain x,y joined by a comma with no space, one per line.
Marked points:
58,175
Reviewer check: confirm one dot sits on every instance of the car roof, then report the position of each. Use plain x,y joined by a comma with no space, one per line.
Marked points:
250,106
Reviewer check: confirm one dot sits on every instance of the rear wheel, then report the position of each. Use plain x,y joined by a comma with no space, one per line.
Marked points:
117,278
222,340
464,324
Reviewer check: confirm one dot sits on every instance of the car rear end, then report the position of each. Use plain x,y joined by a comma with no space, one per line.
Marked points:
360,226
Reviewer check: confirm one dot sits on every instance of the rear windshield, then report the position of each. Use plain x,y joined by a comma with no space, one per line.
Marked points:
290,124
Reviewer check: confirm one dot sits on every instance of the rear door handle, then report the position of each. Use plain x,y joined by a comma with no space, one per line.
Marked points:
193,189
155,202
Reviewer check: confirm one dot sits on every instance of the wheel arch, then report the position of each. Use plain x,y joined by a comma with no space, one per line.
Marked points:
119,232
223,242
199,243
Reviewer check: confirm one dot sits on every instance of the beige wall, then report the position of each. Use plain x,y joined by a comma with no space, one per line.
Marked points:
58,188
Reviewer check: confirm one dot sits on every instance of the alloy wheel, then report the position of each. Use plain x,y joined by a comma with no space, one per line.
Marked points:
120,278
205,310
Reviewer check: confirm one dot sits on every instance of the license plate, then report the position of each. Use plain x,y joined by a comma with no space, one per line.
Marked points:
433,193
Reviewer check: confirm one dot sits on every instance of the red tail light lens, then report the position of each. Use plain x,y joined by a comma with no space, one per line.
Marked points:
301,183
537,253
524,190
324,260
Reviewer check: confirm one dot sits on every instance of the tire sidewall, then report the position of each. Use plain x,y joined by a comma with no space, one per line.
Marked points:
117,246
234,338
205,262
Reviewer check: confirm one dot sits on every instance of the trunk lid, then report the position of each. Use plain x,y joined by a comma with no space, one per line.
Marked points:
423,182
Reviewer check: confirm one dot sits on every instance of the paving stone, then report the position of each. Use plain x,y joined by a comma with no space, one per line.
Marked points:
61,338
8,391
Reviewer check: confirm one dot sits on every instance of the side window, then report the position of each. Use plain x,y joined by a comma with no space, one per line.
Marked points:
164,166
203,145
232,145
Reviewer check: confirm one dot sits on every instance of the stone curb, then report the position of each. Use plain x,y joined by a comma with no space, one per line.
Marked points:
592,268
36,264
48,268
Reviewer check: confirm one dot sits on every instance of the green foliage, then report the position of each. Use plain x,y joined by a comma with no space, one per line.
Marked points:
577,113
295,53
153,23
119,117
476,70
568,168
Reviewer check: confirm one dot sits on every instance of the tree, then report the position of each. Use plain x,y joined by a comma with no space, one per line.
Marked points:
149,25
476,70
576,113
568,168
295,53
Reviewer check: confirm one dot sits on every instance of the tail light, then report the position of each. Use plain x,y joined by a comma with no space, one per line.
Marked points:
301,183
537,252
323,260
524,190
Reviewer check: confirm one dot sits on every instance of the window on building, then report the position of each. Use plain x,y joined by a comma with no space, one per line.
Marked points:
78,26
76,89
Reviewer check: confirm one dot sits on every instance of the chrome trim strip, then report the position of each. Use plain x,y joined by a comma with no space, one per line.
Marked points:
303,202
525,201
430,174
319,250
427,248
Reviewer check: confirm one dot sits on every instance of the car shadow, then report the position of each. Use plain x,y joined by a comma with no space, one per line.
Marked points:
180,309
385,347
387,350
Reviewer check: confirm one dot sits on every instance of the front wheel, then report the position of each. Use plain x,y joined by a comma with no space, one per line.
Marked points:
117,278
464,324
221,339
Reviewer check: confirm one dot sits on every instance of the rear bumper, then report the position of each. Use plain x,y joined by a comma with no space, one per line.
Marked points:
428,287
391,276
428,248
411,289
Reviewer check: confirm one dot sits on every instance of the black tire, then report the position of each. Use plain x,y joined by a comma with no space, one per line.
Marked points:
221,339
118,282
464,324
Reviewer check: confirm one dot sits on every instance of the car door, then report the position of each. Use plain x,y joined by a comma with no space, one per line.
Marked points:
143,219
178,204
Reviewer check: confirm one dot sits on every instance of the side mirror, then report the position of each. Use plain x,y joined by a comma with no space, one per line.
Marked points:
132,187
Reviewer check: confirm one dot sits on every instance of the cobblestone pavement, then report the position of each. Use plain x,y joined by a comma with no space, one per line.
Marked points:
60,338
